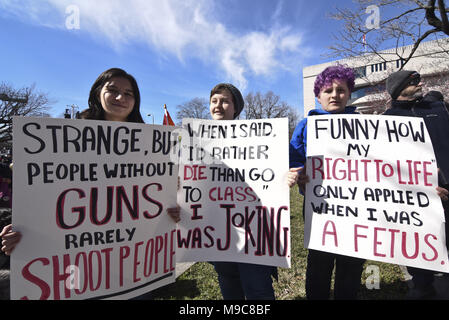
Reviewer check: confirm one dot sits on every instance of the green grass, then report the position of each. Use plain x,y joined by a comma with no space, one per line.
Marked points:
200,281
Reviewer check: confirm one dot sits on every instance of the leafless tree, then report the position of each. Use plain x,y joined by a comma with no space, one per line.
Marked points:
257,106
197,108
267,106
20,102
402,22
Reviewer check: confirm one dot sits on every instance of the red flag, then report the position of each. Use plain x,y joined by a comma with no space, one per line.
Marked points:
364,42
167,119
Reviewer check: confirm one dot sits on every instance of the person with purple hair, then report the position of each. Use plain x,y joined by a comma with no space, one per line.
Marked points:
332,89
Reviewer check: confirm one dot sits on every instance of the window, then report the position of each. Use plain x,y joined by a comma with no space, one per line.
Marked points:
358,93
360,72
400,63
378,67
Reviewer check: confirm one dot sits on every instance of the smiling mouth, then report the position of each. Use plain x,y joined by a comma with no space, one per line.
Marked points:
119,106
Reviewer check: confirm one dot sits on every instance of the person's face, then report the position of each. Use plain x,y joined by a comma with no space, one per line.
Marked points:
412,91
117,99
334,98
221,106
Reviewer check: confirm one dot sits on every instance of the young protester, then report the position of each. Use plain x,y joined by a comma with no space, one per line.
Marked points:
238,280
405,89
333,89
114,96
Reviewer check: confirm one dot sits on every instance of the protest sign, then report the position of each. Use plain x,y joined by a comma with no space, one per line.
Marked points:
90,200
372,191
233,194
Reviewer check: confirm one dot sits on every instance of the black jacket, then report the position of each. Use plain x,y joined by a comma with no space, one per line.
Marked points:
436,118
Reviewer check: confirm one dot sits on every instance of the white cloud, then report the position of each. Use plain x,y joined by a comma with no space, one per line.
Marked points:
182,28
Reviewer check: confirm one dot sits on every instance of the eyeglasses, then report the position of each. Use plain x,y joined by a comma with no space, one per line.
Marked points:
415,80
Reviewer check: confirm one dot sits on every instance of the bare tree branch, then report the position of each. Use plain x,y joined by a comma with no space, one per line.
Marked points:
444,20
268,106
197,108
412,21
20,102
416,45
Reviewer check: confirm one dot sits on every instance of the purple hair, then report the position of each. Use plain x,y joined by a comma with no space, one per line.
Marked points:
339,72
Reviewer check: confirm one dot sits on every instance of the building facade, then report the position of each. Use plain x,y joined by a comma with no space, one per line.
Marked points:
431,60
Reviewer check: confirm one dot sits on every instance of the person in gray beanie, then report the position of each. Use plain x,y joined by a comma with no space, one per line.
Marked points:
400,80
238,281
237,100
405,88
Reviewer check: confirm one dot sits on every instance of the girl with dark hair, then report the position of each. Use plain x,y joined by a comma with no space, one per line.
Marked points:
114,96
333,89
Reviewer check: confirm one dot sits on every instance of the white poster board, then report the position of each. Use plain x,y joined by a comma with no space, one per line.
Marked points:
90,200
233,194
372,190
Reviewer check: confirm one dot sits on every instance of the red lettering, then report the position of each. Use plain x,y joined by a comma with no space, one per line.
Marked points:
166,270
136,261
317,168
384,171
86,275
426,173
417,172
60,277
376,243
353,171
91,271
332,233
148,265
194,172
378,162
356,236
172,250
409,162
341,171
404,246
232,194
365,168
159,247
426,240
26,273
60,210
399,172
393,232
328,167
124,253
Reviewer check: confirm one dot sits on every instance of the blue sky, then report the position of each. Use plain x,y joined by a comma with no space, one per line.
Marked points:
176,49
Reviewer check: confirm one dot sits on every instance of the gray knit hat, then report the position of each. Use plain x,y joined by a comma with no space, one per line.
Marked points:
239,103
398,81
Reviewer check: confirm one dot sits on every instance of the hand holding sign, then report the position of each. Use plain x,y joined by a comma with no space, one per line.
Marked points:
91,206
372,191
233,193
